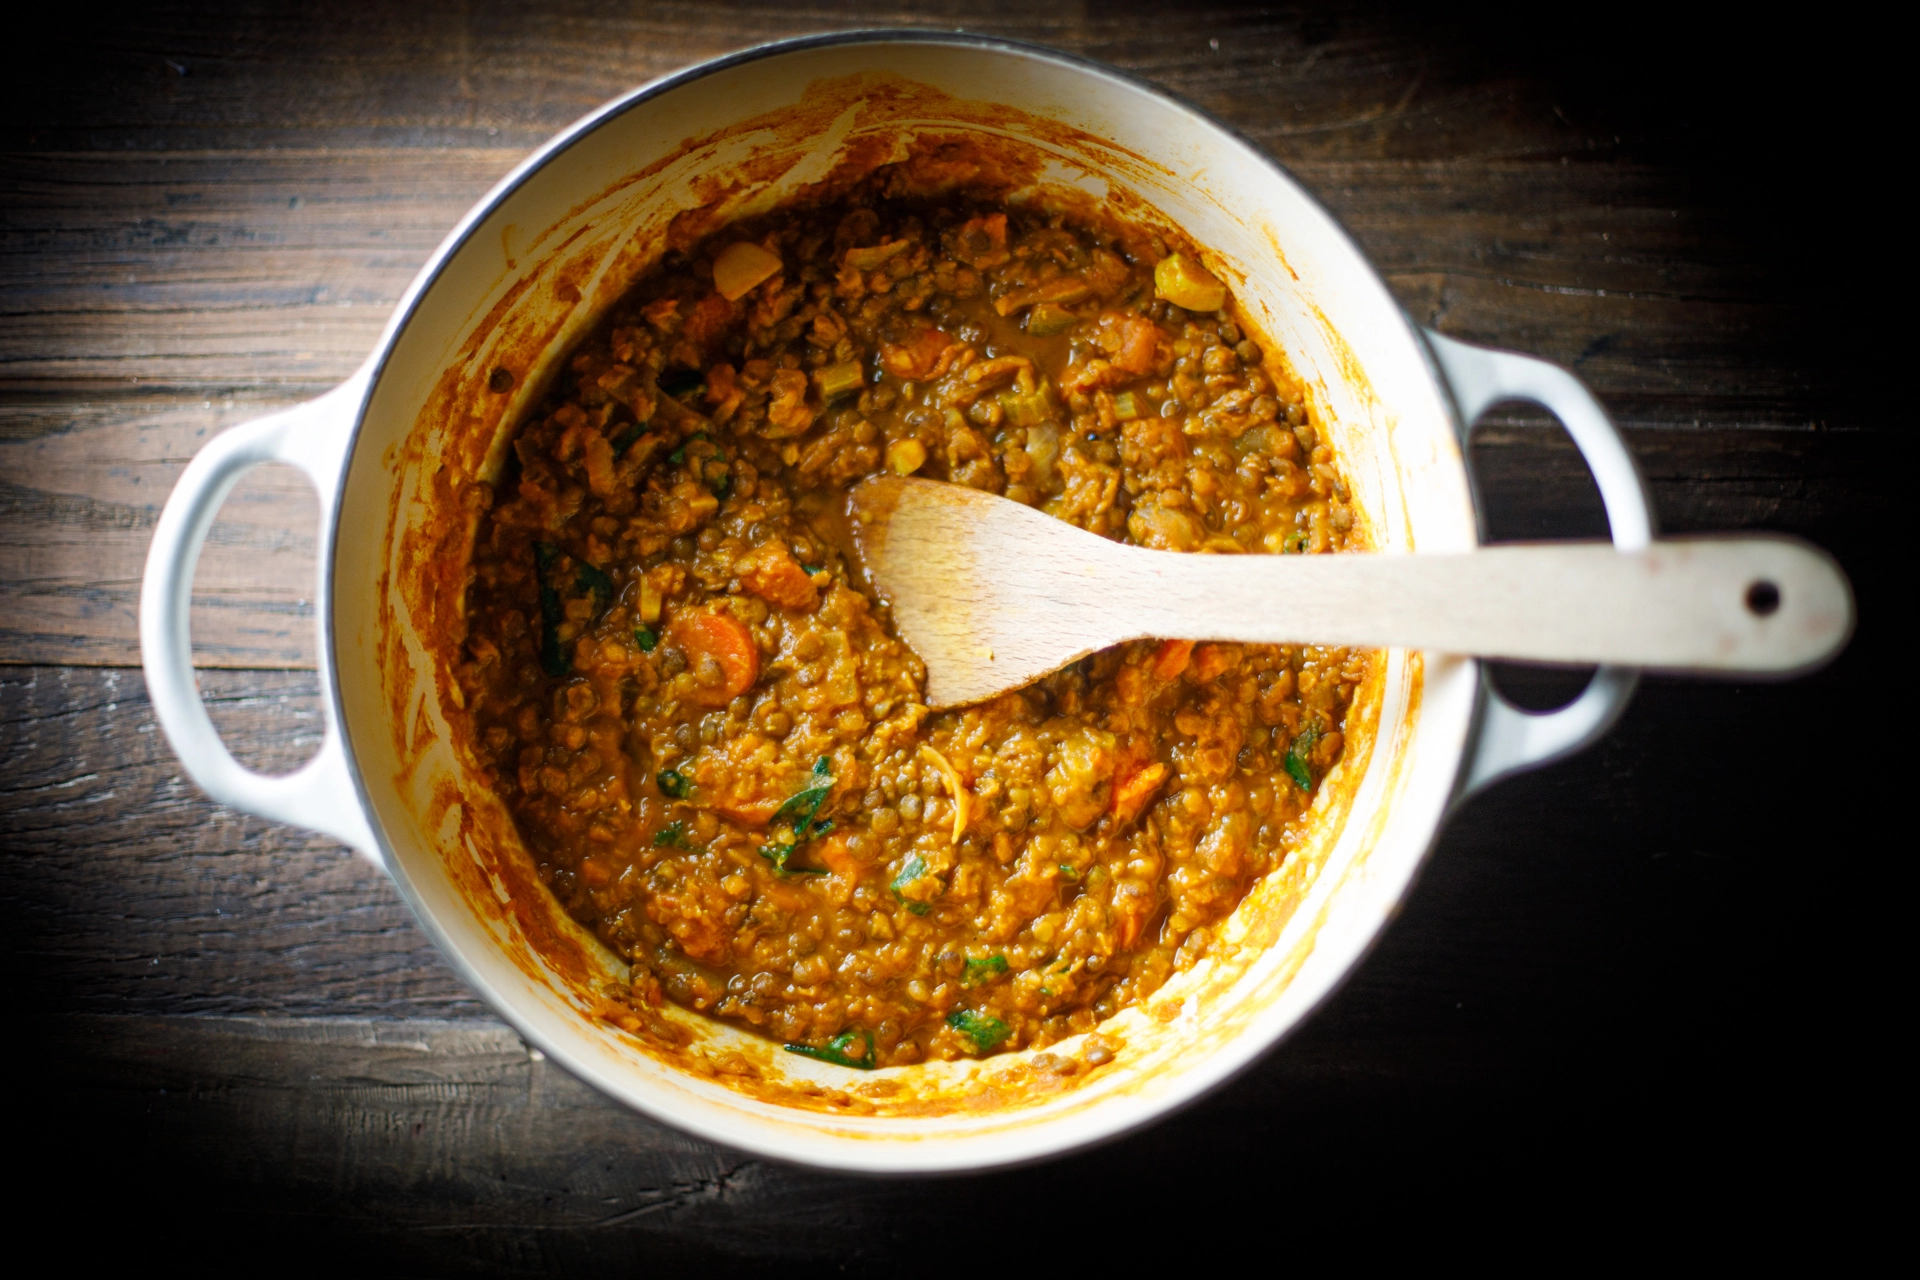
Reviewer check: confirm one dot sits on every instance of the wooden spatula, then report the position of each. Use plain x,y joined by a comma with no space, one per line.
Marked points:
993,595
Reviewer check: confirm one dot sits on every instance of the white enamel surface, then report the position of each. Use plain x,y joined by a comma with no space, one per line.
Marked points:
1374,389
314,437
1509,739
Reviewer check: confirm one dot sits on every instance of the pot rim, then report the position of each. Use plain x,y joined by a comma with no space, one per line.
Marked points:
1203,1081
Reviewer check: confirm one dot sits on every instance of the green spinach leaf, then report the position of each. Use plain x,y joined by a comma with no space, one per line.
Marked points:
839,1051
673,836
1297,767
593,582
553,658
980,972
800,807
983,1029
913,869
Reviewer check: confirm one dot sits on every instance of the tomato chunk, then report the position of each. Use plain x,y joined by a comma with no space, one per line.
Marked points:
723,640
982,242
917,359
772,574
1171,659
709,321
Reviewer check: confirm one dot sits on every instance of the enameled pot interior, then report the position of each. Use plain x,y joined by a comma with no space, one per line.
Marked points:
533,270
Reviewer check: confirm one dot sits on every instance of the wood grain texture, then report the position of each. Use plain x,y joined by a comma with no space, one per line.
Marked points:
992,595
240,1049
126,889
445,1147
1579,997
82,481
218,269
185,237
229,268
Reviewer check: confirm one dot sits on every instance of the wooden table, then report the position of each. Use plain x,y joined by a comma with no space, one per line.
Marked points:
237,1038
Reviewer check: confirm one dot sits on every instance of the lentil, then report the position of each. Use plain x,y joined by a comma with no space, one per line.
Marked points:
715,748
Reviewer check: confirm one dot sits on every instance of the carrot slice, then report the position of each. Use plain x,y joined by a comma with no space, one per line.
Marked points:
834,854
1132,795
1209,660
727,641
1137,338
1171,659
757,811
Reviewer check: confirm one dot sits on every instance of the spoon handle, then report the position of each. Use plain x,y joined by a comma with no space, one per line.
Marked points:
1758,604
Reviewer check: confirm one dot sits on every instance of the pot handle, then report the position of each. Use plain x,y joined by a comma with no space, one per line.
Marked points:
320,795
1509,739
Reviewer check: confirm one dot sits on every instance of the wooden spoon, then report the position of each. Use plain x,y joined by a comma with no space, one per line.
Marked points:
993,595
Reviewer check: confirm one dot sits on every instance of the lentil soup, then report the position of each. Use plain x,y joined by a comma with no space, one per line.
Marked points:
714,748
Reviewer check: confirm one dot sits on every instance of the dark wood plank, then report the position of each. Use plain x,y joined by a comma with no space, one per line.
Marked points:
444,1147
125,890
180,250
450,74
85,478
1609,987
218,269
1660,951
230,269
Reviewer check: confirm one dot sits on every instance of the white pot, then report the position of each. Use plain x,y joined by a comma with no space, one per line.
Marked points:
524,274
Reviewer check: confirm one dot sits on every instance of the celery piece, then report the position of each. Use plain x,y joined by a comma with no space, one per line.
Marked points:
739,267
1028,409
838,380
1129,405
876,256
1046,319
904,457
